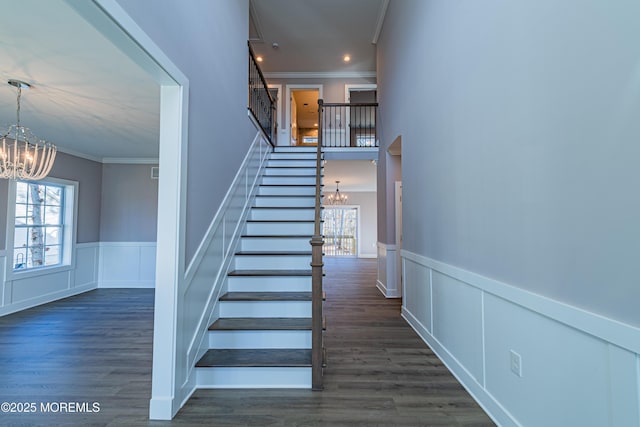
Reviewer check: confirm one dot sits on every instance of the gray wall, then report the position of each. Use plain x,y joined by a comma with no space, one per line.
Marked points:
520,142
210,48
89,176
129,205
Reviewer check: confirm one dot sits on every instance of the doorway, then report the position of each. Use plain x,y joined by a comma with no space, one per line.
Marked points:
302,115
340,228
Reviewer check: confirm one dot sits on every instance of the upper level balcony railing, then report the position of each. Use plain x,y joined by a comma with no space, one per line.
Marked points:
348,125
261,104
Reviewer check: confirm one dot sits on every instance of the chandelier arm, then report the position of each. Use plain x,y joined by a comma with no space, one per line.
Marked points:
27,157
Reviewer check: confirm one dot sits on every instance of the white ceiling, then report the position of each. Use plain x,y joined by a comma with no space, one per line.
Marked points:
354,175
314,35
87,98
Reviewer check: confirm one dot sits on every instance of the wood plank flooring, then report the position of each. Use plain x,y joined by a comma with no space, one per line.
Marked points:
97,347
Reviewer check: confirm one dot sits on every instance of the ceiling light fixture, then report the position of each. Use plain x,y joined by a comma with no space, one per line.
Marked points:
337,198
22,155
346,58
259,58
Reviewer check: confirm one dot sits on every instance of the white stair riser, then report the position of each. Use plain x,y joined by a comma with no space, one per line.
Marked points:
291,179
290,171
263,262
287,190
280,228
259,339
265,308
253,377
275,244
268,284
308,163
283,201
286,156
282,214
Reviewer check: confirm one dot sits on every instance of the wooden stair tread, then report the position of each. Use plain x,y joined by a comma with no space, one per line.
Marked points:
285,207
266,296
261,324
270,273
286,195
292,166
277,253
289,185
256,358
278,236
291,176
293,221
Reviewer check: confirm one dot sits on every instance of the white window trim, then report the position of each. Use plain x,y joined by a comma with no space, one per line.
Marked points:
69,232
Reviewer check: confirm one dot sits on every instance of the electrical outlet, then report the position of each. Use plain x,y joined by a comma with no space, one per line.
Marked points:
516,363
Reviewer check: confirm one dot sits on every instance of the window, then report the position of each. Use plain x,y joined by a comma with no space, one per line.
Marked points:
340,230
42,224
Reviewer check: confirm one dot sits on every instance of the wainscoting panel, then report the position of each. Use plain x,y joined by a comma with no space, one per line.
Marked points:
127,264
387,281
37,288
457,321
517,354
87,264
417,296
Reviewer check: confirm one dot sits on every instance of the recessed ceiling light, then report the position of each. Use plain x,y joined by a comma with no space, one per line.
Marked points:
259,58
315,125
346,58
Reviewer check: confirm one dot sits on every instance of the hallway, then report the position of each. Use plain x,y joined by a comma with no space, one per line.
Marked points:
96,347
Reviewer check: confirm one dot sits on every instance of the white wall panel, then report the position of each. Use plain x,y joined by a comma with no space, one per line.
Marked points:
417,292
127,264
569,376
387,281
86,264
457,321
37,288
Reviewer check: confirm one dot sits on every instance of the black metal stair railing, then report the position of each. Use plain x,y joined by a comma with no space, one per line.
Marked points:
261,104
348,125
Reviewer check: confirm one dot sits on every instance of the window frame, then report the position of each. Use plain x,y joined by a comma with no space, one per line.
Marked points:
69,228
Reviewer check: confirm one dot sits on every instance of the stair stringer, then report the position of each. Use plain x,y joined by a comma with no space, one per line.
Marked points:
210,264
259,376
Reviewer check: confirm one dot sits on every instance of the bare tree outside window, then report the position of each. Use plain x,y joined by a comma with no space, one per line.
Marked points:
38,225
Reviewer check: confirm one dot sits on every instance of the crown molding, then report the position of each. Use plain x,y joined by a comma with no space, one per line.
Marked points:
382,13
79,154
132,160
321,75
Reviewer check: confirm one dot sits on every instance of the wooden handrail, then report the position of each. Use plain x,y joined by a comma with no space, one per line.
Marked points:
317,350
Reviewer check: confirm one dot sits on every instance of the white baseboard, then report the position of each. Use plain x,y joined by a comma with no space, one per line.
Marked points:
580,367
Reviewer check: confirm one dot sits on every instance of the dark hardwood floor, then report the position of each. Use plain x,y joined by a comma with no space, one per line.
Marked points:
96,347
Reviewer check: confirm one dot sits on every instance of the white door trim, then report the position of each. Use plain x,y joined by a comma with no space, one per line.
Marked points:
365,86
108,17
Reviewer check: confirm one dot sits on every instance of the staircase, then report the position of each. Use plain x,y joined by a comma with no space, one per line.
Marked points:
262,338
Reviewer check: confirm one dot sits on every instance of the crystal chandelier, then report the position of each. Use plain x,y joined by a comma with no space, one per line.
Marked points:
22,155
337,198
